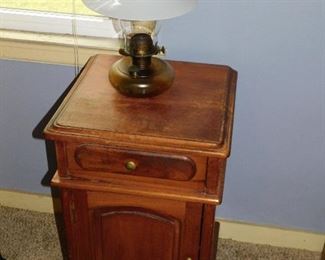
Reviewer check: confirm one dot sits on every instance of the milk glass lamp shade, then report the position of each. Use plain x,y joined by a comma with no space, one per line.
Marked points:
141,10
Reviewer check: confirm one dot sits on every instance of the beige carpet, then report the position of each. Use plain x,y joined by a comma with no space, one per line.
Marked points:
33,236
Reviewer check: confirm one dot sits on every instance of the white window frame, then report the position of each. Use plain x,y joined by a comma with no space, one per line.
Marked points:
59,23
25,30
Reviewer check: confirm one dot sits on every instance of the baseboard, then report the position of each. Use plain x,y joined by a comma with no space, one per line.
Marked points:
238,231
274,236
28,201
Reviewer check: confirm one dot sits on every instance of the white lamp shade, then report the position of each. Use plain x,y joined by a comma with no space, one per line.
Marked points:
141,10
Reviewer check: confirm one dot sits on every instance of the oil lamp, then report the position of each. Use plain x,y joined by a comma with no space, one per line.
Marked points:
138,74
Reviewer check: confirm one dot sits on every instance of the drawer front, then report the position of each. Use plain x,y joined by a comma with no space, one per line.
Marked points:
99,158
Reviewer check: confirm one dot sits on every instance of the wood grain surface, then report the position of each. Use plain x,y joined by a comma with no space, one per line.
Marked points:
195,114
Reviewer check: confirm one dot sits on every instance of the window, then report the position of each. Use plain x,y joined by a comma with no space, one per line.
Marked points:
45,31
58,6
62,17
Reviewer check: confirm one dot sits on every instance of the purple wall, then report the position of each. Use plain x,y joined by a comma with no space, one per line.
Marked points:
276,174
27,92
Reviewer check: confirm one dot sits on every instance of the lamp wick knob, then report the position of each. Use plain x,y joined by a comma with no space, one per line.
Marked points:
162,50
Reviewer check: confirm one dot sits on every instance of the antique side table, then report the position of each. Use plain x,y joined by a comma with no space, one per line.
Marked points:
140,179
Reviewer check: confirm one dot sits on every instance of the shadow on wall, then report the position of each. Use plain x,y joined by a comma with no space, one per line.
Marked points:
38,133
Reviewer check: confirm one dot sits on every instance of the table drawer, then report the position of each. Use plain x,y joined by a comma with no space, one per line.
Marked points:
100,158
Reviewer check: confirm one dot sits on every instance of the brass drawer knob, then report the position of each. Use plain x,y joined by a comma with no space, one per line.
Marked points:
130,165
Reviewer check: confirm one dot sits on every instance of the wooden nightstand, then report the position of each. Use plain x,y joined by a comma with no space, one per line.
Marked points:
140,178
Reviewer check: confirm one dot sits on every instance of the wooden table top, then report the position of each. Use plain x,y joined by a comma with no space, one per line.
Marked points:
195,114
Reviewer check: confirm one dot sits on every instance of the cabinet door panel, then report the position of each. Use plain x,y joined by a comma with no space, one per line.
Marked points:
126,233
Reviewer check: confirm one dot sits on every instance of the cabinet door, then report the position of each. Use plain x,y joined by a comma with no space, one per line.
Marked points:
125,227
135,233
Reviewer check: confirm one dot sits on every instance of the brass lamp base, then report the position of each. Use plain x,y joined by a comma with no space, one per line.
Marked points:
160,79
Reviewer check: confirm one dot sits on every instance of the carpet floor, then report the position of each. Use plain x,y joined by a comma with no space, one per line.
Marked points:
29,235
